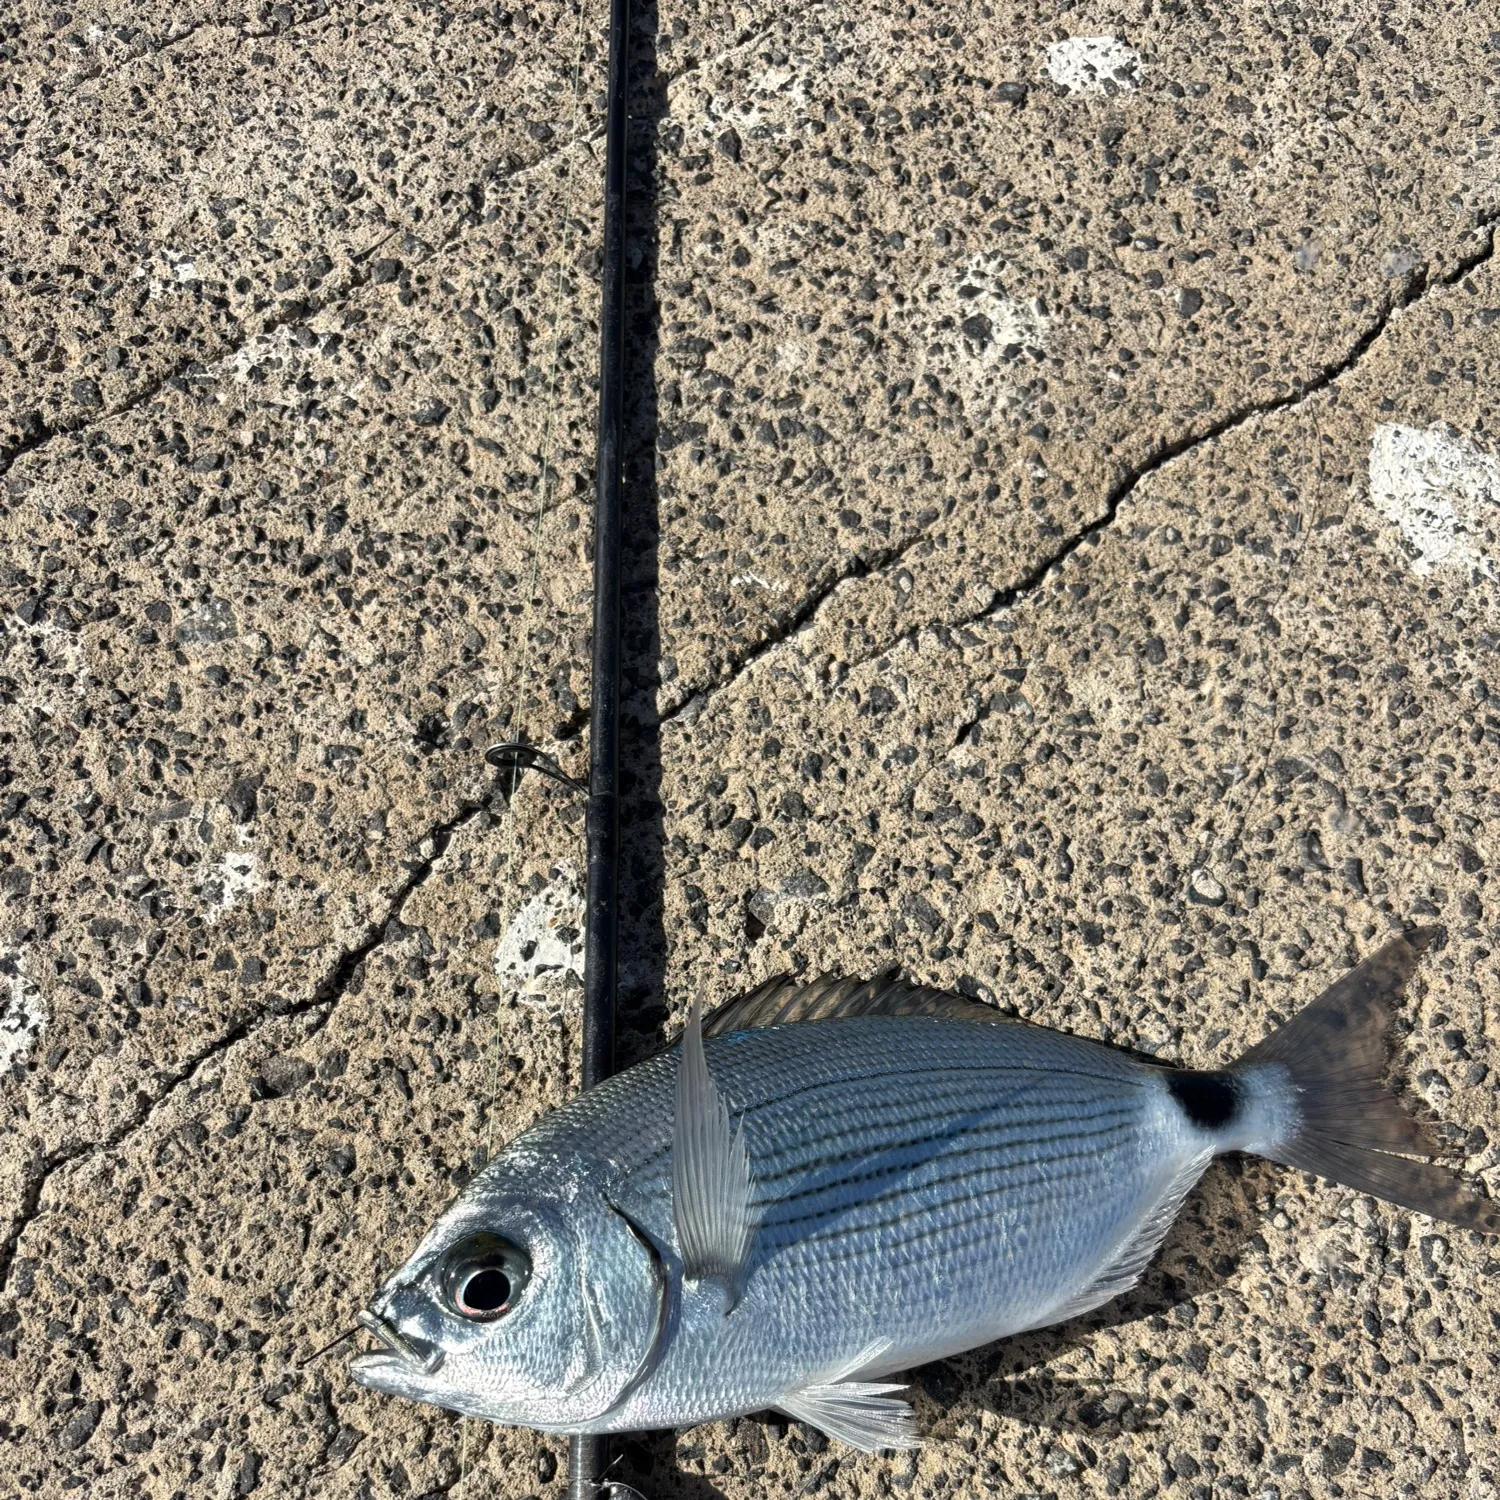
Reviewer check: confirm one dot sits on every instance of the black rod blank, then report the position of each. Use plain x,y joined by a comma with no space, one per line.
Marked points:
602,828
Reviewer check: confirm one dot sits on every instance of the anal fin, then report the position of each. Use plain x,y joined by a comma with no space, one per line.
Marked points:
711,1189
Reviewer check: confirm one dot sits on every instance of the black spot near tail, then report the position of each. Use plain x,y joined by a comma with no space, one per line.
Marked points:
1209,1100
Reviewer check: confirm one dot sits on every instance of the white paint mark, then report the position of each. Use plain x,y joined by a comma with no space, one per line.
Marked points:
763,86
540,955
771,80
58,655
278,355
234,877
277,345
754,579
1441,491
1435,1090
1094,65
23,1017
181,272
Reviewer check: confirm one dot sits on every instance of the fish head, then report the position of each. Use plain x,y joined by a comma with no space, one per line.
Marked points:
532,1302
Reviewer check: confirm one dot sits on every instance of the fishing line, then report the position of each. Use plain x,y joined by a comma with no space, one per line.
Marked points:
521,757
344,1337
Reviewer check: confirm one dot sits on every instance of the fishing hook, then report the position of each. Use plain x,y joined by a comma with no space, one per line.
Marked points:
394,1340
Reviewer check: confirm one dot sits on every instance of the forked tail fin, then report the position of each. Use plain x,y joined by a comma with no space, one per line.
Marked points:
1318,1093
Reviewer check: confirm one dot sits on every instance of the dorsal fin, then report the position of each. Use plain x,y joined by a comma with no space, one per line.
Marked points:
786,998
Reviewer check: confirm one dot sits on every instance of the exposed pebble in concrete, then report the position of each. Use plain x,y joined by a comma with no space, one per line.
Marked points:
235,877
1205,888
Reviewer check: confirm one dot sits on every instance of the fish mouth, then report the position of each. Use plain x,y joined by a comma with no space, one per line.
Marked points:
414,1354
388,1373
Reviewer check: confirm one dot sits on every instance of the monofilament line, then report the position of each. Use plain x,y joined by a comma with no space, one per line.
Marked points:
510,845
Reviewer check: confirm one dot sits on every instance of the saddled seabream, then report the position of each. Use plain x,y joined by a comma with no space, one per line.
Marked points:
827,1183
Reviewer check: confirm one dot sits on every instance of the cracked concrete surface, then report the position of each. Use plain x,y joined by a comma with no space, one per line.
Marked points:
1063,510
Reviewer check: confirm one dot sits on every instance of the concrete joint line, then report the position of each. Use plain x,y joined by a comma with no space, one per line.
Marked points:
44,434
1032,580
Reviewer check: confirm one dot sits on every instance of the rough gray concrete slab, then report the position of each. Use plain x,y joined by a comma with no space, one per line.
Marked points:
1063,569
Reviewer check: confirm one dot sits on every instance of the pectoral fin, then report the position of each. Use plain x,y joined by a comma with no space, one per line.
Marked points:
710,1171
861,1413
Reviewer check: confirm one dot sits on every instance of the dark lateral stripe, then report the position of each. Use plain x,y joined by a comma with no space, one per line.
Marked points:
858,1232
910,1071
943,1119
1002,1170
991,1136
840,1145
907,1073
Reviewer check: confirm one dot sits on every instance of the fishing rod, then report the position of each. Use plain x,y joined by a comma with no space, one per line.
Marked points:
602,823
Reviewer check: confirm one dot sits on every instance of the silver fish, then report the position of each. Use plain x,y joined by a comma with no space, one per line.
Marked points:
846,1179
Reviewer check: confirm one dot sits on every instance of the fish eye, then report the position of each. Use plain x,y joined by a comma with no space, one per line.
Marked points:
483,1276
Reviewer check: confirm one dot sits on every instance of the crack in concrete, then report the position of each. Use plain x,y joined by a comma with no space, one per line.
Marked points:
1419,286
783,629
41,433
1416,289
326,994
239,33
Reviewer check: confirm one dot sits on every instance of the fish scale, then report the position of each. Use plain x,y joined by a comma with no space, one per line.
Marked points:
1050,1147
828,1182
